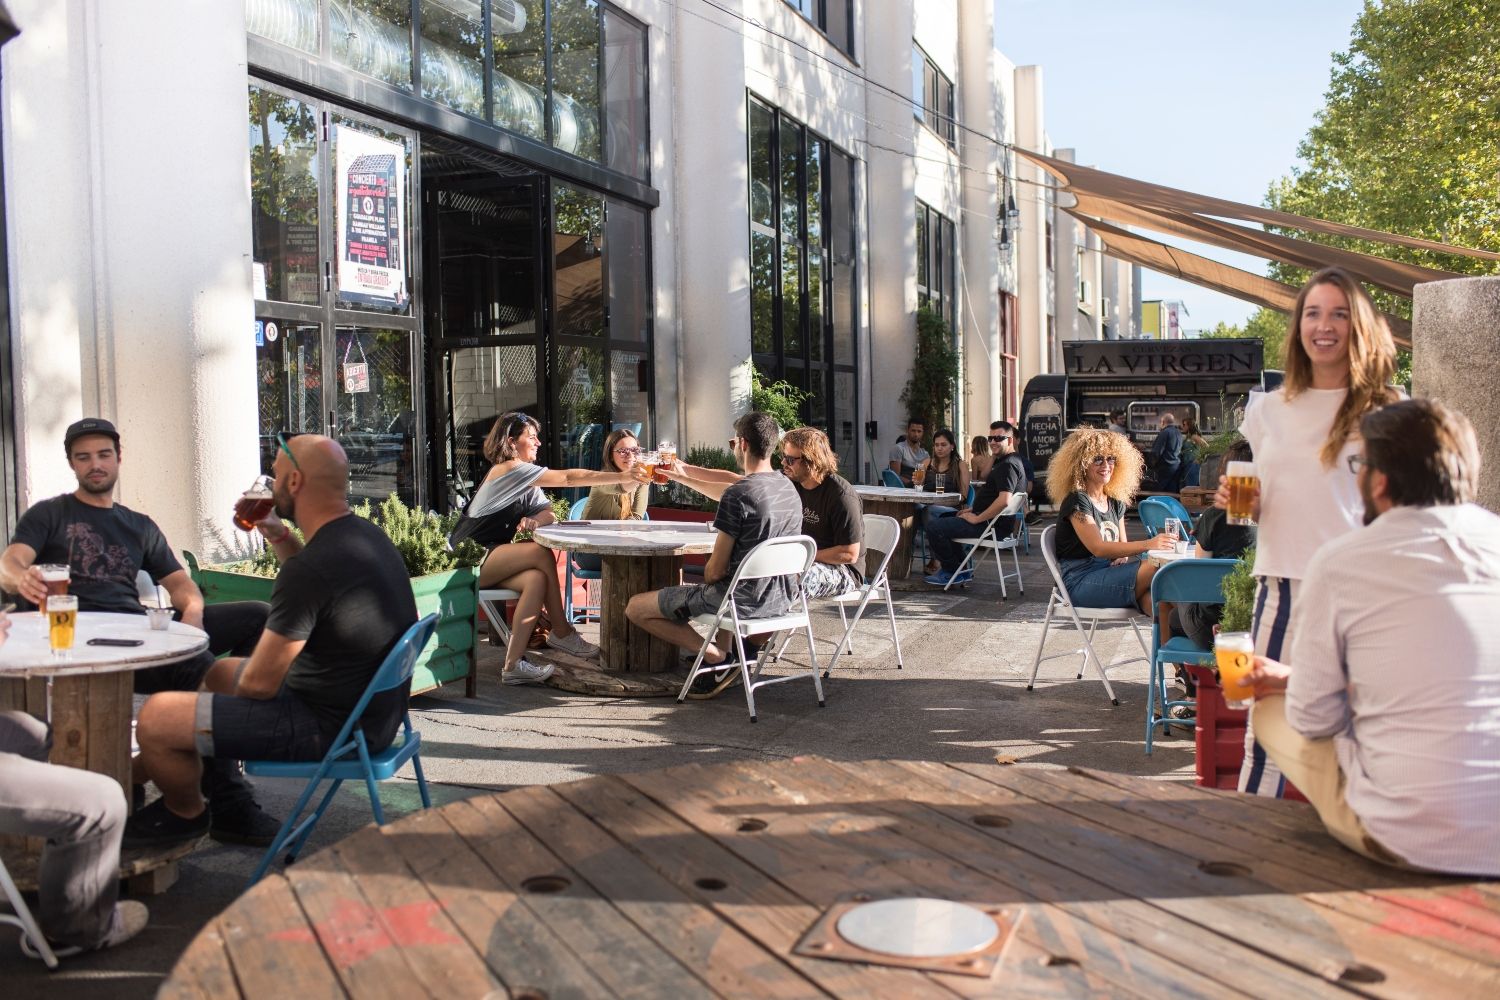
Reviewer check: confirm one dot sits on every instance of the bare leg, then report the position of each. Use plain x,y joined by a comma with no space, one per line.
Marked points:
168,751
1143,577
505,561
645,612
531,585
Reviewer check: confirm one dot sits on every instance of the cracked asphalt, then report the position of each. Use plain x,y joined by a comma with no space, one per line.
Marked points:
961,697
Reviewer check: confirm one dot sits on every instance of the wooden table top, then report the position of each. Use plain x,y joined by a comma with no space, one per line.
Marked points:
700,881
893,494
28,652
629,538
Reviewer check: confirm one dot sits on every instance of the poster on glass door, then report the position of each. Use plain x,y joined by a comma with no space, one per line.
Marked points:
370,173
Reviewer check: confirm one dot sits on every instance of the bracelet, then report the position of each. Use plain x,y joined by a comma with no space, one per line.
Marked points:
285,534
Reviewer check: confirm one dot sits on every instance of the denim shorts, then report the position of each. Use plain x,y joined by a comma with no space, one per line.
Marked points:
281,728
1094,583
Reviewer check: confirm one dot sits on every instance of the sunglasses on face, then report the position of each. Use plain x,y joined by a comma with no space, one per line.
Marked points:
627,451
999,437
792,459
1103,460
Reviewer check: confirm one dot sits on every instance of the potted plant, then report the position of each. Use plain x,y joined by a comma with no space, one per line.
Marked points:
443,580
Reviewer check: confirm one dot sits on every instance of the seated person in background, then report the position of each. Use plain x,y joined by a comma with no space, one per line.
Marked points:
759,505
908,453
1117,422
946,461
832,515
340,602
105,546
510,499
80,815
619,501
1216,539
1007,478
1193,443
1090,479
1388,716
980,458
1166,455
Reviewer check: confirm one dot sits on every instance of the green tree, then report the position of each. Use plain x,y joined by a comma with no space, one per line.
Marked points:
780,399
1266,325
936,378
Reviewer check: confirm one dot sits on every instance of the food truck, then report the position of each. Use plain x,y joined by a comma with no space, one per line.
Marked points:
1208,381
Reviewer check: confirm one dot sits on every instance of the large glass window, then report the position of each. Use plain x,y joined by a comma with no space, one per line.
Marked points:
519,83
284,203
453,54
575,77
835,18
626,148
932,96
373,37
802,269
936,264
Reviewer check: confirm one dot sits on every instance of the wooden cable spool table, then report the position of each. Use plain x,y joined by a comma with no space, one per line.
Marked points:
87,698
901,504
725,879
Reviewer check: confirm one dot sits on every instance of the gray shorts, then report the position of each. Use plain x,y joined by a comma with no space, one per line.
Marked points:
687,602
279,728
823,580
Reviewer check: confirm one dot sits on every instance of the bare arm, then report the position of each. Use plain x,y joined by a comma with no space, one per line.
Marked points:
260,675
710,482
983,516
839,555
186,597
1093,540
19,576
582,477
718,561
285,544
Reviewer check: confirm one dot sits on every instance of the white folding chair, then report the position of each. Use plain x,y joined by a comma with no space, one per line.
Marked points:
1059,601
990,539
787,556
493,603
24,920
881,534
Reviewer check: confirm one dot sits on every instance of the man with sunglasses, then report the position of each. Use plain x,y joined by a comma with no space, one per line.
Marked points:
1007,478
106,545
832,514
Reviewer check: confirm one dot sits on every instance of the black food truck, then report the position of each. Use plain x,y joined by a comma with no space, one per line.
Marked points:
1208,381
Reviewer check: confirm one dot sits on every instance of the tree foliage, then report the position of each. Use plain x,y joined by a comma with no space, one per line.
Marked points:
782,400
936,377
1266,325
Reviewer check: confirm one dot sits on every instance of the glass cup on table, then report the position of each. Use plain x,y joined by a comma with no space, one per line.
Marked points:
1244,484
939,480
918,477
62,624
254,504
1234,654
1172,528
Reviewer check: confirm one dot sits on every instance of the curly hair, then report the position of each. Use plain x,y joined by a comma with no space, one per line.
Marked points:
1065,473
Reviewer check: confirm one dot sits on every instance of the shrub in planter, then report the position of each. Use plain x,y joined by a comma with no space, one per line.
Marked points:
705,456
1239,595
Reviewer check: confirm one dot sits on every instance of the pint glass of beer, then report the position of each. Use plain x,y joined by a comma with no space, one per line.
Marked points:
254,504
649,460
666,457
1235,655
62,621
56,578
1243,486
918,476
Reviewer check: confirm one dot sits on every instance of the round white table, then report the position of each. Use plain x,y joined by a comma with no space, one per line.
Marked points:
1163,556
635,557
901,504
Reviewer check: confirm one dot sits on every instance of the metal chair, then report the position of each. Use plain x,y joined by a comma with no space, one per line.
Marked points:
790,555
990,539
1154,511
1059,601
881,534
349,758
493,602
572,569
24,920
1187,581
888,477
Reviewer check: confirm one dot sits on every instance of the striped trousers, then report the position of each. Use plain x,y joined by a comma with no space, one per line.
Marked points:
1271,627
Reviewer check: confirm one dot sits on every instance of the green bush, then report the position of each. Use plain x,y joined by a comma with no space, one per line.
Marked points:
935,374
782,400
1239,595
708,457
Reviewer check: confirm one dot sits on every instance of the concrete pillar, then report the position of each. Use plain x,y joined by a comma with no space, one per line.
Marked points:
1453,341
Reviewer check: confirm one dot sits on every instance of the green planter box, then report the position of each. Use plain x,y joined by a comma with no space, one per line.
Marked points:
453,596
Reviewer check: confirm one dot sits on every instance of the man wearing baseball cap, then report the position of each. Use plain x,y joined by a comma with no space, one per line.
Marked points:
106,545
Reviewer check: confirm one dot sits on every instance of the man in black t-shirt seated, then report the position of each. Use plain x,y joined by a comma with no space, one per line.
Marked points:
1007,478
105,546
832,515
342,600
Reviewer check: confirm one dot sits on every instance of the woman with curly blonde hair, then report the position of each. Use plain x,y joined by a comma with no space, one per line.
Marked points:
1091,479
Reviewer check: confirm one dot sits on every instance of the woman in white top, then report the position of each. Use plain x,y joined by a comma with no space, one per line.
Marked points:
1340,362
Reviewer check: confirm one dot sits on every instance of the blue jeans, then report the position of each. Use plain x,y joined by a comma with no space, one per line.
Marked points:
943,532
1094,583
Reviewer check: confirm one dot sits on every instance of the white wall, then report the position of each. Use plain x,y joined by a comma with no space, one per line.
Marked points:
1035,282
127,174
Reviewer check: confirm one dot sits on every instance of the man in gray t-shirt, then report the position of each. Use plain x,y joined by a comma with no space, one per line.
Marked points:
759,505
908,453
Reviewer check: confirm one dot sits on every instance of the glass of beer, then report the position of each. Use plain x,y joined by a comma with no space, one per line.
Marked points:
666,457
918,476
939,481
62,622
56,578
1244,484
649,460
254,504
1235,654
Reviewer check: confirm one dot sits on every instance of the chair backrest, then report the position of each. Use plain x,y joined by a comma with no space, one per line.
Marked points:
1191,581
394,670
888,477
1049,553
575,512
973,492
881,533
1154,511
789,555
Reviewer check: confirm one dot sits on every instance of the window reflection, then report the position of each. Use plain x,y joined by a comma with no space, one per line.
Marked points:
453,54
581,406
629,273
376,413
373,37
290,22
288,382
629,392
284,197
577,243
626,146
575,77
520,84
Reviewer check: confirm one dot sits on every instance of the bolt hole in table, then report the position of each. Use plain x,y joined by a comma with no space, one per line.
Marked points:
900,504
868,879
90,704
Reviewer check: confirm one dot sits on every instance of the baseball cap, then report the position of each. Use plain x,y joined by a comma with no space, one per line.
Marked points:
87,426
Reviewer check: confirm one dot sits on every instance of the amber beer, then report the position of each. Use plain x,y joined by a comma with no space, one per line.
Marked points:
1234,653
62,621
649,460
56,579
666,457
254,504
1243,487
918,476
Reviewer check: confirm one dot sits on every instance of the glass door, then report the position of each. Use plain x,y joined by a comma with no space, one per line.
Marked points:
289,381
375,411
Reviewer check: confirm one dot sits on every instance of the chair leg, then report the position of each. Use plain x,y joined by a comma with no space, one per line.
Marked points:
1042,643
968,556
1151,705
567,590
1089,656
1087,642
890,612
299,840
24,920
416,765
745,679
781,650
1016,558
1000,571
812,655
848,632
287,826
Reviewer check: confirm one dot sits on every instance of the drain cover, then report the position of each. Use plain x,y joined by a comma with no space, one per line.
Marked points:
918,928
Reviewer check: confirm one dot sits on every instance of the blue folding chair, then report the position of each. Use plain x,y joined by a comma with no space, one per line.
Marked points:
1154,511
349,758
571,570
889,478
1185,581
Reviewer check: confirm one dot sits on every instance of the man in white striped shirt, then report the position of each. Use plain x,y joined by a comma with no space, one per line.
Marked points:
1390,721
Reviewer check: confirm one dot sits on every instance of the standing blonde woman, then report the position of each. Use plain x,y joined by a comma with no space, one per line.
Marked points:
980,459
1340,363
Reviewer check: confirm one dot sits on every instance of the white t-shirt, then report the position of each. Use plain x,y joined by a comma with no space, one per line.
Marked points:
1302,503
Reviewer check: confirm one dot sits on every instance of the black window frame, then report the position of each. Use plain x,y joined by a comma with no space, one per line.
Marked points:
824,15
934,106
937,274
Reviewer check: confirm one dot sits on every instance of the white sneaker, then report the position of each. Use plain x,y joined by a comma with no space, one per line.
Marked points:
526,672
574,644
130,918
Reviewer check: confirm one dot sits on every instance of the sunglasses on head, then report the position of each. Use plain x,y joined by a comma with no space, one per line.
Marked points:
282,437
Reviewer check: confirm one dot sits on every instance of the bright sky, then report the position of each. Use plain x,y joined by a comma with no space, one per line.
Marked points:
1212,96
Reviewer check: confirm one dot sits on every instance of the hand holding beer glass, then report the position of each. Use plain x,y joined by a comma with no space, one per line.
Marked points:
1239,493
666,457
918,476
254,504
1234,654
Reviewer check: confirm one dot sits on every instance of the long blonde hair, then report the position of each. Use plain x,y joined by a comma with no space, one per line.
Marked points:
1372,360
1065,473
815,448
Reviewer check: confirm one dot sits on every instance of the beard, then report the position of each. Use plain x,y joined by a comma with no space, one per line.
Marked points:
284,504
98,487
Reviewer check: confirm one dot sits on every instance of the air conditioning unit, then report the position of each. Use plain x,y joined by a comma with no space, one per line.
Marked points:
507,17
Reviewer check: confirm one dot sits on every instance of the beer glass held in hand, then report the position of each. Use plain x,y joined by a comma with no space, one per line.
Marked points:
918,477
1234,653
254,504
1244,488
62,622
649,460
56,578
666,453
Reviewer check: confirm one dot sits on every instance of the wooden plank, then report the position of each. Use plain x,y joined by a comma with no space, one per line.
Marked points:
110,706
729,961
412,919
614,627
272,947
1302,934
771,914
828,851
202,971
951,830
628,962
519,948
70,721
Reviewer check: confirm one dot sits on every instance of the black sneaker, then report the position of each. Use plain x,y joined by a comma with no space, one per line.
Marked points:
244,823
158,826
137,798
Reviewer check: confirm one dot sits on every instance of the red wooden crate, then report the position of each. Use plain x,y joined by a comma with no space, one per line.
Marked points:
1220,736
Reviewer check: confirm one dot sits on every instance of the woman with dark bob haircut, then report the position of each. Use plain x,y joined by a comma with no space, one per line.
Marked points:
1091,479
509,500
